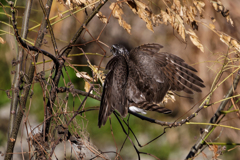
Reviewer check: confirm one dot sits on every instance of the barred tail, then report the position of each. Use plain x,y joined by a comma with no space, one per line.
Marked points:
152,107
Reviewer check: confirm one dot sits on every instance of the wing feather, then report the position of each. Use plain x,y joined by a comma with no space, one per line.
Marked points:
169,71
143,79
113,96
142,91
106,105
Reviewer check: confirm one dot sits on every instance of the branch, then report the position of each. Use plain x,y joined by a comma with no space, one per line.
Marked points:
17,78
80,30
76,113
65,54
25,93
25,45
214,119
49,27
76,91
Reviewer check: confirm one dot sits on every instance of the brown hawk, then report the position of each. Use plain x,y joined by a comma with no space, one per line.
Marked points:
142,78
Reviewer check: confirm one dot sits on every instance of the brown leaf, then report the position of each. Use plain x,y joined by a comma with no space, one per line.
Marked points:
225,39
213,19
143,11
181,31
102,17
12,139
195,40
84,75
211,26
87,86
117,13
199,5
169,96
165,17
230,20
215,5
191,13
177,3
175,20
81,3
235,45
157,19
2,40
218,6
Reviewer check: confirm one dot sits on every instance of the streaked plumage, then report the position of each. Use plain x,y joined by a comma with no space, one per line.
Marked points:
142,78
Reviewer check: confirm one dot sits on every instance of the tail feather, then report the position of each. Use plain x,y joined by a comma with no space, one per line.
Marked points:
152,107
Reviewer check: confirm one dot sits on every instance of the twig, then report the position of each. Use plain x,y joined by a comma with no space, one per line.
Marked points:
214,119
16,81
49,27
76,91
65,53
80,106
25,45
25,93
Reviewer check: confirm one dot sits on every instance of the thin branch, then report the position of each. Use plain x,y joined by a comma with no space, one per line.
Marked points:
25,93
49,27
16,81
65,53
76,91
214,119
25,45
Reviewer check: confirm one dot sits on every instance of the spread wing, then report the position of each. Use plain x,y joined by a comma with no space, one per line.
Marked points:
141,90
113,96
161,72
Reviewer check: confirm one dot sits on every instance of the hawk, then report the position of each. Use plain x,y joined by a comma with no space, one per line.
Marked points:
142,78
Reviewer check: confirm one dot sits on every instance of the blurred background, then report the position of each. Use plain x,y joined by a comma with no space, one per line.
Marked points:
176,142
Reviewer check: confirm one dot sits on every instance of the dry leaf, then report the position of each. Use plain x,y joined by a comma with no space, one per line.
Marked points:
218,6
225,39
215,5
169,96
165,18
101,74
181,31
195,40
117,13
229,20
213,19
191,13
157,19
229,40
87,86
143,11
102,17
81,3
12,139
2,40
60,15
235,44
84,75
177,3
199,5
212,26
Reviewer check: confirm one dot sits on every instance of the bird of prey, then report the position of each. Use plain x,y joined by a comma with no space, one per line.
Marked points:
142,78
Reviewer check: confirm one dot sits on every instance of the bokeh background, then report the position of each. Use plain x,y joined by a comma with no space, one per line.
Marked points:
176,142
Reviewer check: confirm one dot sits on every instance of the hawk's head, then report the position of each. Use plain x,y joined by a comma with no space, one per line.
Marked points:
118,49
